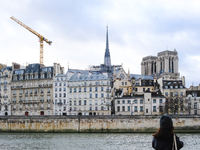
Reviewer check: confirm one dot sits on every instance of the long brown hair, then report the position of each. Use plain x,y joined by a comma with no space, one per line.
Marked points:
164,134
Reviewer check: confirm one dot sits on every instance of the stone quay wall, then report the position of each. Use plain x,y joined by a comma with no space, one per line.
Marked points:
95,124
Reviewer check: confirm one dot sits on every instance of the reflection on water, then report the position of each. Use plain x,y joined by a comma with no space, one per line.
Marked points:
88,141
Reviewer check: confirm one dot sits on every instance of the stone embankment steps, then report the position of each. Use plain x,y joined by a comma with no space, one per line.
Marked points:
94,124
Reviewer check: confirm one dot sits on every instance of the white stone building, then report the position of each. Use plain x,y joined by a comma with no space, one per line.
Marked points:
193,100
150,103
89,93
60,89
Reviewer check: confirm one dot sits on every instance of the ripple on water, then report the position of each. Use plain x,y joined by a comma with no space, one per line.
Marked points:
93,141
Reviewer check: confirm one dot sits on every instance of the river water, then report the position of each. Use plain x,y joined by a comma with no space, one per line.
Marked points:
87,141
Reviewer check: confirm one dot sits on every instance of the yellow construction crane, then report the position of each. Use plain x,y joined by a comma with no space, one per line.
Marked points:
41,38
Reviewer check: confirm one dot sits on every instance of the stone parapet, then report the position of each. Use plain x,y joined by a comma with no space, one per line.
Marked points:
82,124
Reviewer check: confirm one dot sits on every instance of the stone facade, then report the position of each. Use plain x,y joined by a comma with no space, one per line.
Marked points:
95,124
89,93
60,91
165,64
32,90
193,100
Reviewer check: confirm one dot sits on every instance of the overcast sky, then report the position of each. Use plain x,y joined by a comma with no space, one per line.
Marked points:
77,28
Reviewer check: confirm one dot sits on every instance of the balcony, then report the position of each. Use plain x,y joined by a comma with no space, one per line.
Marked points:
59,103
20,109
5,96
48,100
30,101
42,108
108,90
108,103
20,101
41,100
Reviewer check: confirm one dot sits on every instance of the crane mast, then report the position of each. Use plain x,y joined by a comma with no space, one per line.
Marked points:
41,38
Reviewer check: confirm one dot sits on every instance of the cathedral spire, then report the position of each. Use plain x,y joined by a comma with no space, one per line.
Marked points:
107,60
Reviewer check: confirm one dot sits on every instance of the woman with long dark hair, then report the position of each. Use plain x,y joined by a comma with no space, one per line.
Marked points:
164,138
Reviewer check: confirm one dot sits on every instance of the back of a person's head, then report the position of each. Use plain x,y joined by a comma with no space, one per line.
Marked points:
165,131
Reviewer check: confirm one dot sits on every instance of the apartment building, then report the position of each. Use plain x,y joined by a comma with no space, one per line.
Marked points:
32,89
89,93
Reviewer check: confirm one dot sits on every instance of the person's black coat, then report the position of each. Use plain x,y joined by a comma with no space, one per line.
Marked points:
166,145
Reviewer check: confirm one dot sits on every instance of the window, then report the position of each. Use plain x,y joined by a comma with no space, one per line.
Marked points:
102,101
79,102
90,89
123,108
146,110
85,102
118,108
96,95
41,90
60,94
129,101
101,88
122,83
96,108
31,91
70,103
75,102
195,105
64,83
141,108
102,95
96,102
160,100
125,83
55,89
123,101
154,108
176,93
141,101
135,101
166,93
96,89
55,94
84,89
154,100
118,102
60,89
14,92
48,91
90,95
79,89
171,93
74,90
102,108
135,89
64,94
90,102
70,90
181,93
55,84
143,89
135,109
128,108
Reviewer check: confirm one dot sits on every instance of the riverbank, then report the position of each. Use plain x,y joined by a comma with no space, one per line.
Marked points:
95,124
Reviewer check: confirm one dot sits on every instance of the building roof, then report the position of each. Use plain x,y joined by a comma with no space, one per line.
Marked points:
87,77
143,77
6,68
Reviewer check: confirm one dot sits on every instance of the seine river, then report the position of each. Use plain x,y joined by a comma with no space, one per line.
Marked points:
87,141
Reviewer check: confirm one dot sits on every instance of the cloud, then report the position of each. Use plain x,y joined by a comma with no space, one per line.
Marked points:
78,31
